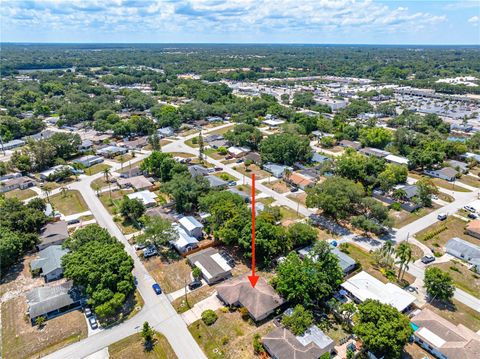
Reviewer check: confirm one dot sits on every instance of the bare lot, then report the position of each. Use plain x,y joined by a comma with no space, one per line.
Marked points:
132,348
21,340
278,186
21,194
171,276
69,203
463,278
438,234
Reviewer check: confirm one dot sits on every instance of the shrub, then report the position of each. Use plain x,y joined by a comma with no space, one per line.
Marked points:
257,344
195,140
209,317
244,312
396,206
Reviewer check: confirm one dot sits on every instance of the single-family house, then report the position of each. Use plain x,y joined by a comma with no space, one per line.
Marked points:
277,170
138,183
363,286
131,171
242,194
464,250
370,151
281,343
459,166
298,180
213,265
52,301
86,145
165,132
184,242
260,301
11,184
45,175
45,134
346,262
273,122
216,182
53,233
49,262
10,145
318,158
473,228
444,339
398,160
254,157
446,173
88,161
146,197
197,170
238,152
213,119
191,226
111,151
136,144
351,144
472,156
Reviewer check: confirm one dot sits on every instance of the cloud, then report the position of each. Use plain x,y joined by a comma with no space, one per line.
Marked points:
474,20
215,16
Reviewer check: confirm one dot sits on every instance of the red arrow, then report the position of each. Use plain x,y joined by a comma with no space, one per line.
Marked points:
253,278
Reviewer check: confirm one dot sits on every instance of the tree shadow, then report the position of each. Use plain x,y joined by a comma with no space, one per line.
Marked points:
448,306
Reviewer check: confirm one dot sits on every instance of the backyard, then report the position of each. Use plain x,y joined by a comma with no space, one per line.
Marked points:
132,348
69,202
22,340
229,337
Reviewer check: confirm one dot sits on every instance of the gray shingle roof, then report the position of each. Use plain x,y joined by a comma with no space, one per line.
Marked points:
44,300
49,259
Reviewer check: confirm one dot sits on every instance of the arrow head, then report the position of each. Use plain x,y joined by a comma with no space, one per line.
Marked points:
253,280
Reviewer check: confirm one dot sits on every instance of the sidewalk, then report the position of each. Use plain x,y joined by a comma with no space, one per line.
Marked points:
195,313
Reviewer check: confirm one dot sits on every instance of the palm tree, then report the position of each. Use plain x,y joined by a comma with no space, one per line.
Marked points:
387,251
64,191
404,255
46,191
106,174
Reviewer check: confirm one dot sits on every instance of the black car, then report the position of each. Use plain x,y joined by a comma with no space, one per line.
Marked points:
195,284
294,189
428,259
73,221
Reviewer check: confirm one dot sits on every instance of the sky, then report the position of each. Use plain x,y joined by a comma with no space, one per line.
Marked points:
242,21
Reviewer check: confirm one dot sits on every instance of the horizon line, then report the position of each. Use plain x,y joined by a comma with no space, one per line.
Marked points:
229,43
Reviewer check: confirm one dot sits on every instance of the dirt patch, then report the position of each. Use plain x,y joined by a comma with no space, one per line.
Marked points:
171,276
278,186
19,280
22,340
299,197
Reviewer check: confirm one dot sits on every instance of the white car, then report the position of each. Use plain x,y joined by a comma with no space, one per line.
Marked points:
469,209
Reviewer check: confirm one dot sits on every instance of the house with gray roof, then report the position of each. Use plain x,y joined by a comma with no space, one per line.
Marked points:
346,262
53,301
49,262
88,161
193,227
351,144
12,144
111,151
242,194
276,170
212,264
197,170
216,182
260,301
464,250
446,173
459,166
281,343
53,233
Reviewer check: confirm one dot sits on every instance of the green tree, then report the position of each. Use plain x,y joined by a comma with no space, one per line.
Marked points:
336,196
209,317
404,255
377,137
439,284
299,320
383,330
157,231
196,272
147,335
285,148
244,135
186,191
425,189
131,209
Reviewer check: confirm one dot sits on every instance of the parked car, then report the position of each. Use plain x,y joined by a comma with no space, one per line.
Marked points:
428,259
472,215
294,189
442,217
73,221
469,209
218,169
239,161
195,284
88,312
157,289
150,251
210,170
139,246
232,183
93,322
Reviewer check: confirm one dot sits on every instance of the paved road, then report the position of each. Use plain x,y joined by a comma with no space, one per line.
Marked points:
157,309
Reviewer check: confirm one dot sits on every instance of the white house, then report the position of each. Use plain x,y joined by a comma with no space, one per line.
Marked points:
146,197
191,226
238,151
184,242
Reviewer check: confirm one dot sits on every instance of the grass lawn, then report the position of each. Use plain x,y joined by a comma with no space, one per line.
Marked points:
212,152
229,337
247,189
21,194
70,203
470,181
132,347
191,144
365,259
99,183
417,252
253,168
458,314
181,154
225,176
124,158
463,278
289,214
278,186
402,218
22,340
445,197
111,199
299,197
99,167
444,231
181,305
221,131
266,201
170,276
